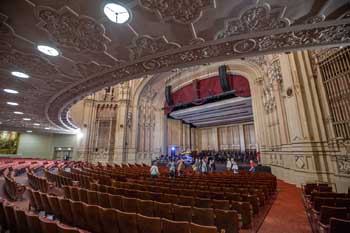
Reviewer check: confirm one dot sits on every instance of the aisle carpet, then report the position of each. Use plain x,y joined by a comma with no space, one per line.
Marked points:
287,214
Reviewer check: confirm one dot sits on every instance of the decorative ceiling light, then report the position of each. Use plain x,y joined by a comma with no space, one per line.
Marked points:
10,91
36,124
12,103
29,131
116,13
48,50
19,74
26,119
18,113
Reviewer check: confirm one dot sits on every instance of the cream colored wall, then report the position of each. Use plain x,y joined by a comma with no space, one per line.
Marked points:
42,145
293,132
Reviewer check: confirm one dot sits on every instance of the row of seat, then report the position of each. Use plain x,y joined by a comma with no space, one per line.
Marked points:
12,188
169,210
98,219
255,196
84,181
39,183
59,180
250,202
17,220
322,205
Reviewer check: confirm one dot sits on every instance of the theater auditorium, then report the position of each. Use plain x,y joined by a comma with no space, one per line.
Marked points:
174,116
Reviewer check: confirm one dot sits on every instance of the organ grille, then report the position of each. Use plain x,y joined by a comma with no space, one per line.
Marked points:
335,71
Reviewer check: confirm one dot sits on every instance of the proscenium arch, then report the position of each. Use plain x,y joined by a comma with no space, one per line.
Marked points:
330,33
251,71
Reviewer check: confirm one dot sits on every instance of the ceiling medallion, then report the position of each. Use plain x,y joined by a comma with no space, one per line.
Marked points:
19,74
116,13
47,50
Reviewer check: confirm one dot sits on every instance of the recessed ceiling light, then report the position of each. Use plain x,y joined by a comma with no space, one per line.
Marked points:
19,113
12,103
48,50
36,124
19,74
29,131
26,119
10,91
116,13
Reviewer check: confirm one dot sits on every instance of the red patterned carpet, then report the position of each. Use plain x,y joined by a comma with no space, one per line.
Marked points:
287,214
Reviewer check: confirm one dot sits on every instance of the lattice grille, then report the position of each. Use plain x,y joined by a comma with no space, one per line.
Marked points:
335,71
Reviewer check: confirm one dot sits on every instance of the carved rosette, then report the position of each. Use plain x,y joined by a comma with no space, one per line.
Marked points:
181,11
88,69
257,18
146,45
71,30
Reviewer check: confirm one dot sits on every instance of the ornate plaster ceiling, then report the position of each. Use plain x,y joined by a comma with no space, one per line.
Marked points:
161,35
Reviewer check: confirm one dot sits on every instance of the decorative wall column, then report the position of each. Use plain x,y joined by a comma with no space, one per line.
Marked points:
120,153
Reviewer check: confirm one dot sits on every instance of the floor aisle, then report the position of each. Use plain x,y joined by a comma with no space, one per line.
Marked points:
287,214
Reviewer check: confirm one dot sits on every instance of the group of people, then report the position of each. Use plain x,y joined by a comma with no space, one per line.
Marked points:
172,165
204,165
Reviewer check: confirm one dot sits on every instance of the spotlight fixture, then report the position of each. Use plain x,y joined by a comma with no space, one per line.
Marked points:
26,119
116,13
48,50
19,74
10,91
47,128
12,103
36,124
18,113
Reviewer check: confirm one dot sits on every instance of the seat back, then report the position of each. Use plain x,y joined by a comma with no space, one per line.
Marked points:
227,220
182,213
163,210
337,225
145,207
170,226
326,212
109,220
127,222
148,224
203,216
195,228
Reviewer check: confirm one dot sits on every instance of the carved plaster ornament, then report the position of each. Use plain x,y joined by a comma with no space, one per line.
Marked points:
146,45
69,29
181,11
299,162
88,69
256,18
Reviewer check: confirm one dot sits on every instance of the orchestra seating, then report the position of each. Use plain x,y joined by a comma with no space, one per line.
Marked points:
327,211
123,198
15,219
12,188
